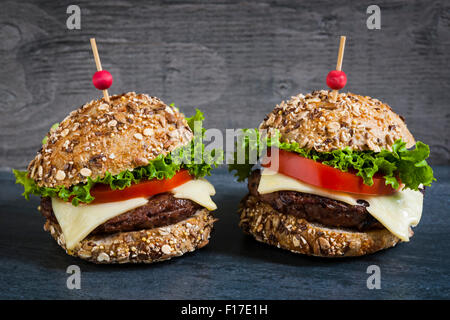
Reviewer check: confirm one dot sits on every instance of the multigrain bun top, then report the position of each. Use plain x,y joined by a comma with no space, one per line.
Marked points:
317,121
99,137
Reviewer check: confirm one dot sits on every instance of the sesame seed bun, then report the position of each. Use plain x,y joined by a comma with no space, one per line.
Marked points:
317,121
99,137
143,246
300,236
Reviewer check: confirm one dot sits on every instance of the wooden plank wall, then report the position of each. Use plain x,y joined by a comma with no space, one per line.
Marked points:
232,59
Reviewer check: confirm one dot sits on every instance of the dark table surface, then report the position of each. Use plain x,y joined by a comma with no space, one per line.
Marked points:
232,266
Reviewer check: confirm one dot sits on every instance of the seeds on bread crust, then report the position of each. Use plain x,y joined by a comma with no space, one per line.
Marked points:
100,137
144,246
300,236
316,121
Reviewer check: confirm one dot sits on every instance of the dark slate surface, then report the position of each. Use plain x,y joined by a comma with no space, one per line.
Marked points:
232,266
232,59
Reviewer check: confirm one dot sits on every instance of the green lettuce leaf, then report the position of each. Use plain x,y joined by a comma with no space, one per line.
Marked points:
193,157
408,166
248,142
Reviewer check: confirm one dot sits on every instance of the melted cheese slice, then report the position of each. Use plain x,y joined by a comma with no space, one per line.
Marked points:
77,222
397,212
199,191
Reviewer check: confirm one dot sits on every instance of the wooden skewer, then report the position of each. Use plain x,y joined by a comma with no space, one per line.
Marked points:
98,64
339,62
340,54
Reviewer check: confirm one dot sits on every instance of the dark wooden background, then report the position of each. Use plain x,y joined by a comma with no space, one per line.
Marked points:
232,59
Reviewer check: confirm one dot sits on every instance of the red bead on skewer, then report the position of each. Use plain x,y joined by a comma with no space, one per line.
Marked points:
102,80
336,79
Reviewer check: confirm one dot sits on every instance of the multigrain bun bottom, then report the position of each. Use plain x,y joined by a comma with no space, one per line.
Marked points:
143,246
300,236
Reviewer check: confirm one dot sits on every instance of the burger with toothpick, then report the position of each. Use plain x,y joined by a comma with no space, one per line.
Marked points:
341,176
121,179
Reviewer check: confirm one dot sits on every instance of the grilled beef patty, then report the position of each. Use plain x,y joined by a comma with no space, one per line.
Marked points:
161,210
313,208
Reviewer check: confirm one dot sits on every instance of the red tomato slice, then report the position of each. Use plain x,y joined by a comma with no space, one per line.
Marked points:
320,175
103,193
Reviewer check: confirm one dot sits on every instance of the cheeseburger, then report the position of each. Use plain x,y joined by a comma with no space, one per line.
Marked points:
343,176
118,182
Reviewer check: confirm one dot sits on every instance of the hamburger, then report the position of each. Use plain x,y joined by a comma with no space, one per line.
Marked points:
340,175
122,181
